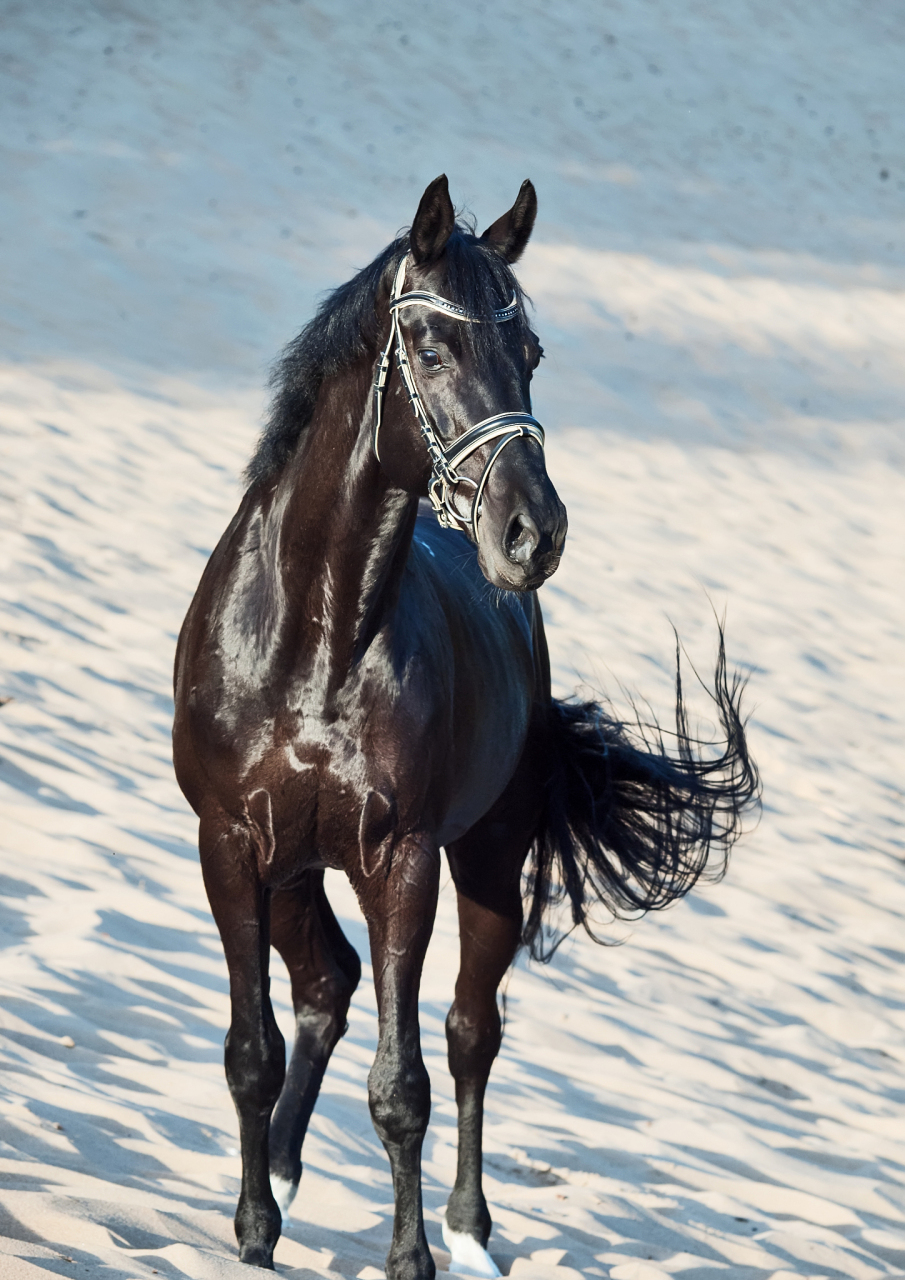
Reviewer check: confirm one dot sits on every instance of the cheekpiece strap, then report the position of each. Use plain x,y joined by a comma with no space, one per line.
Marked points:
502,427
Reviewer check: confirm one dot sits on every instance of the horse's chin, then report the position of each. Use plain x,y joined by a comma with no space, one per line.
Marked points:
506,575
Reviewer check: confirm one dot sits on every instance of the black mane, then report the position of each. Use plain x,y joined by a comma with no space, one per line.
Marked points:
345,326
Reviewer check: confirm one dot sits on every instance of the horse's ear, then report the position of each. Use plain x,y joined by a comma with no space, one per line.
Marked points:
511,233
434,222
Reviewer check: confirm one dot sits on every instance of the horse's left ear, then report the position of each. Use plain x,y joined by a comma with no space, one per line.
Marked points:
511,233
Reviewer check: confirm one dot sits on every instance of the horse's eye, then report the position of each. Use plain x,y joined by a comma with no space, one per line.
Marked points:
430,358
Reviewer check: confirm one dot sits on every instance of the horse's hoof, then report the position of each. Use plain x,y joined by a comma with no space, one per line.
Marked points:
256,1245
257,1256
411,1264
284,1193
257,1231
468,1256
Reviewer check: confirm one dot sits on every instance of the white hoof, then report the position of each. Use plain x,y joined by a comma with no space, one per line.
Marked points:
468,1258
284,1194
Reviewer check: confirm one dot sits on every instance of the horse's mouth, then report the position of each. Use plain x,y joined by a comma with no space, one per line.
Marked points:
546,567
549,564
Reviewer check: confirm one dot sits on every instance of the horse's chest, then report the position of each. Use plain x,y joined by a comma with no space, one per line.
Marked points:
422,742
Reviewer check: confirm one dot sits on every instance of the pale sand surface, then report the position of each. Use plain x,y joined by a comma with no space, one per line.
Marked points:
724,319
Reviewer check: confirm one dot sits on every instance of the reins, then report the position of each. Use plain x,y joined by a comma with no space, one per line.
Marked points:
501,427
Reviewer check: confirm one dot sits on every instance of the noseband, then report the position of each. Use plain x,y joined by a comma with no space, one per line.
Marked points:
502,427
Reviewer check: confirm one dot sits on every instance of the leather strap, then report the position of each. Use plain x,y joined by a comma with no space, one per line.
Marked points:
504,427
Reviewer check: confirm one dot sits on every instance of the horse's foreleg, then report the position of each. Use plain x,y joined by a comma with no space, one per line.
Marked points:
399,908
324,970
489,941
254,1054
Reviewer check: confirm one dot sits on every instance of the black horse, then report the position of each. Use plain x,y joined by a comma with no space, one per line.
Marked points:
351,693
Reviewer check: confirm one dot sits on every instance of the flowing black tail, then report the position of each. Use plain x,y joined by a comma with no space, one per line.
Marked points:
627,824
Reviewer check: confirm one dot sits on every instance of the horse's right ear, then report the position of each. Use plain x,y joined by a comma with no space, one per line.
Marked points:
509,234
434,222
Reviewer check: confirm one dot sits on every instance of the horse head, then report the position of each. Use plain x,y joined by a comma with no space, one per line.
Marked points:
456,423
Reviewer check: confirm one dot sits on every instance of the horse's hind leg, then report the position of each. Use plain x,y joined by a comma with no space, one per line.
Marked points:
486,867
254,1053
324,970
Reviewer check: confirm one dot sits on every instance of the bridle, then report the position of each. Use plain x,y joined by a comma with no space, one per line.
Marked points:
502,427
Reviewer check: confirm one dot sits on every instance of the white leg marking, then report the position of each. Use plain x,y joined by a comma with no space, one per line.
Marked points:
468,1258
284,1194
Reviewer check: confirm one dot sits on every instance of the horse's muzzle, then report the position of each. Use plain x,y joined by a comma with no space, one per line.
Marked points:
530,554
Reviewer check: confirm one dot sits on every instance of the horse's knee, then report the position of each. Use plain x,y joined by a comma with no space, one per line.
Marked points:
399,1098
473,1039
255,1065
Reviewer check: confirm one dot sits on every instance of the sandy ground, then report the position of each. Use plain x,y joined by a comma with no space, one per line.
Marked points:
718,276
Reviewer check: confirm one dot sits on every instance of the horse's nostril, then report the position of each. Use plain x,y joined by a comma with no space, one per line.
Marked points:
522,539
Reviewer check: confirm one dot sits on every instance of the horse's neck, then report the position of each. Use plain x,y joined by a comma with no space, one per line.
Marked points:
344,533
